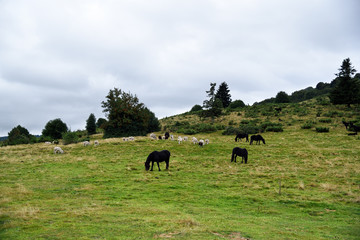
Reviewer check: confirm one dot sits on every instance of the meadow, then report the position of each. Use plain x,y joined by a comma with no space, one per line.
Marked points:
300,185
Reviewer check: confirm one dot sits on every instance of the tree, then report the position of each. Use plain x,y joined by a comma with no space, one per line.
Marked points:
196,108
100,122
216,110
347,89
223,94
153,123
237,104
19,135
126,115
282,97
211,95
54,129
91,124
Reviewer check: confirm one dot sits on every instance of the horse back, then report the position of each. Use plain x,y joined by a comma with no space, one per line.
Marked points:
162,156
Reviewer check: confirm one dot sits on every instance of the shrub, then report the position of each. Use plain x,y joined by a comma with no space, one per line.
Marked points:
333,114
271,127
231,131
322,129
274,129
325,120
70,137
308,125
249,129
237,104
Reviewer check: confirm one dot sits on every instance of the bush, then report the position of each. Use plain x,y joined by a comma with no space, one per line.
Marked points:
271,127
274,129
325,120
308,125
70,137
237,104
231,131
322,129
249,129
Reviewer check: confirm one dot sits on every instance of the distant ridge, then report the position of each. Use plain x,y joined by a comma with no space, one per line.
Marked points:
3,138
321,89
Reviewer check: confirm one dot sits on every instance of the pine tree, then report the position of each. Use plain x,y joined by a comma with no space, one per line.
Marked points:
223,93
207,104
91,124
347,90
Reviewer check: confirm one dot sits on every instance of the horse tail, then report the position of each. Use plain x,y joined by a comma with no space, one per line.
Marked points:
236,139
247,137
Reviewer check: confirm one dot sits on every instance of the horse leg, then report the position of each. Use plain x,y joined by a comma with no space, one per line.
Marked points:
158,166
152,165
167,164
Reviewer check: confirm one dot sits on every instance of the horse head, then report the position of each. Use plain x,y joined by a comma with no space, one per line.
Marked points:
147,165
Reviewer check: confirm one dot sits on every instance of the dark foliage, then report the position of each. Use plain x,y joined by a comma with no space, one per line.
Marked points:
54,129
91,124
127,116
100,122
70,137
223,93
347,91
237,104
196,108
20,135
282,97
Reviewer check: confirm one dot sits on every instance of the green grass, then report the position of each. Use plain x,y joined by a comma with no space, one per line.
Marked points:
104,192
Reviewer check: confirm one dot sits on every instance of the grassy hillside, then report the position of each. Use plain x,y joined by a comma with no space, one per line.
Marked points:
300,185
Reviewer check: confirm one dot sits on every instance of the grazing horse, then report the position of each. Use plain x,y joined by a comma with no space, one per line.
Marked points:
242,135
242,152
257,138
167,135
162,156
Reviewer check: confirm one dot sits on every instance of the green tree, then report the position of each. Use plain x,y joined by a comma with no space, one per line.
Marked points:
126,115
196,108
91,124
237,104
207,104
100,122
19,135
153,123
54,129
347,89
70,137
223,93
282,97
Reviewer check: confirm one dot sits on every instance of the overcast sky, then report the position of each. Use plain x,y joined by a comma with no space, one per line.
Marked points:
60,58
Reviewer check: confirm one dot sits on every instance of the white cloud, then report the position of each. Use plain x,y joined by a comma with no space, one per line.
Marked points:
69,54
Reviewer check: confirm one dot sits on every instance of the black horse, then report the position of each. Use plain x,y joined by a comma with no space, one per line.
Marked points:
162,156
346,124
242,152
242,135
167,135
256,138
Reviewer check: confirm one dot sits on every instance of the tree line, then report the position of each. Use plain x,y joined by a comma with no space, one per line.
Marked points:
344,89
127,116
